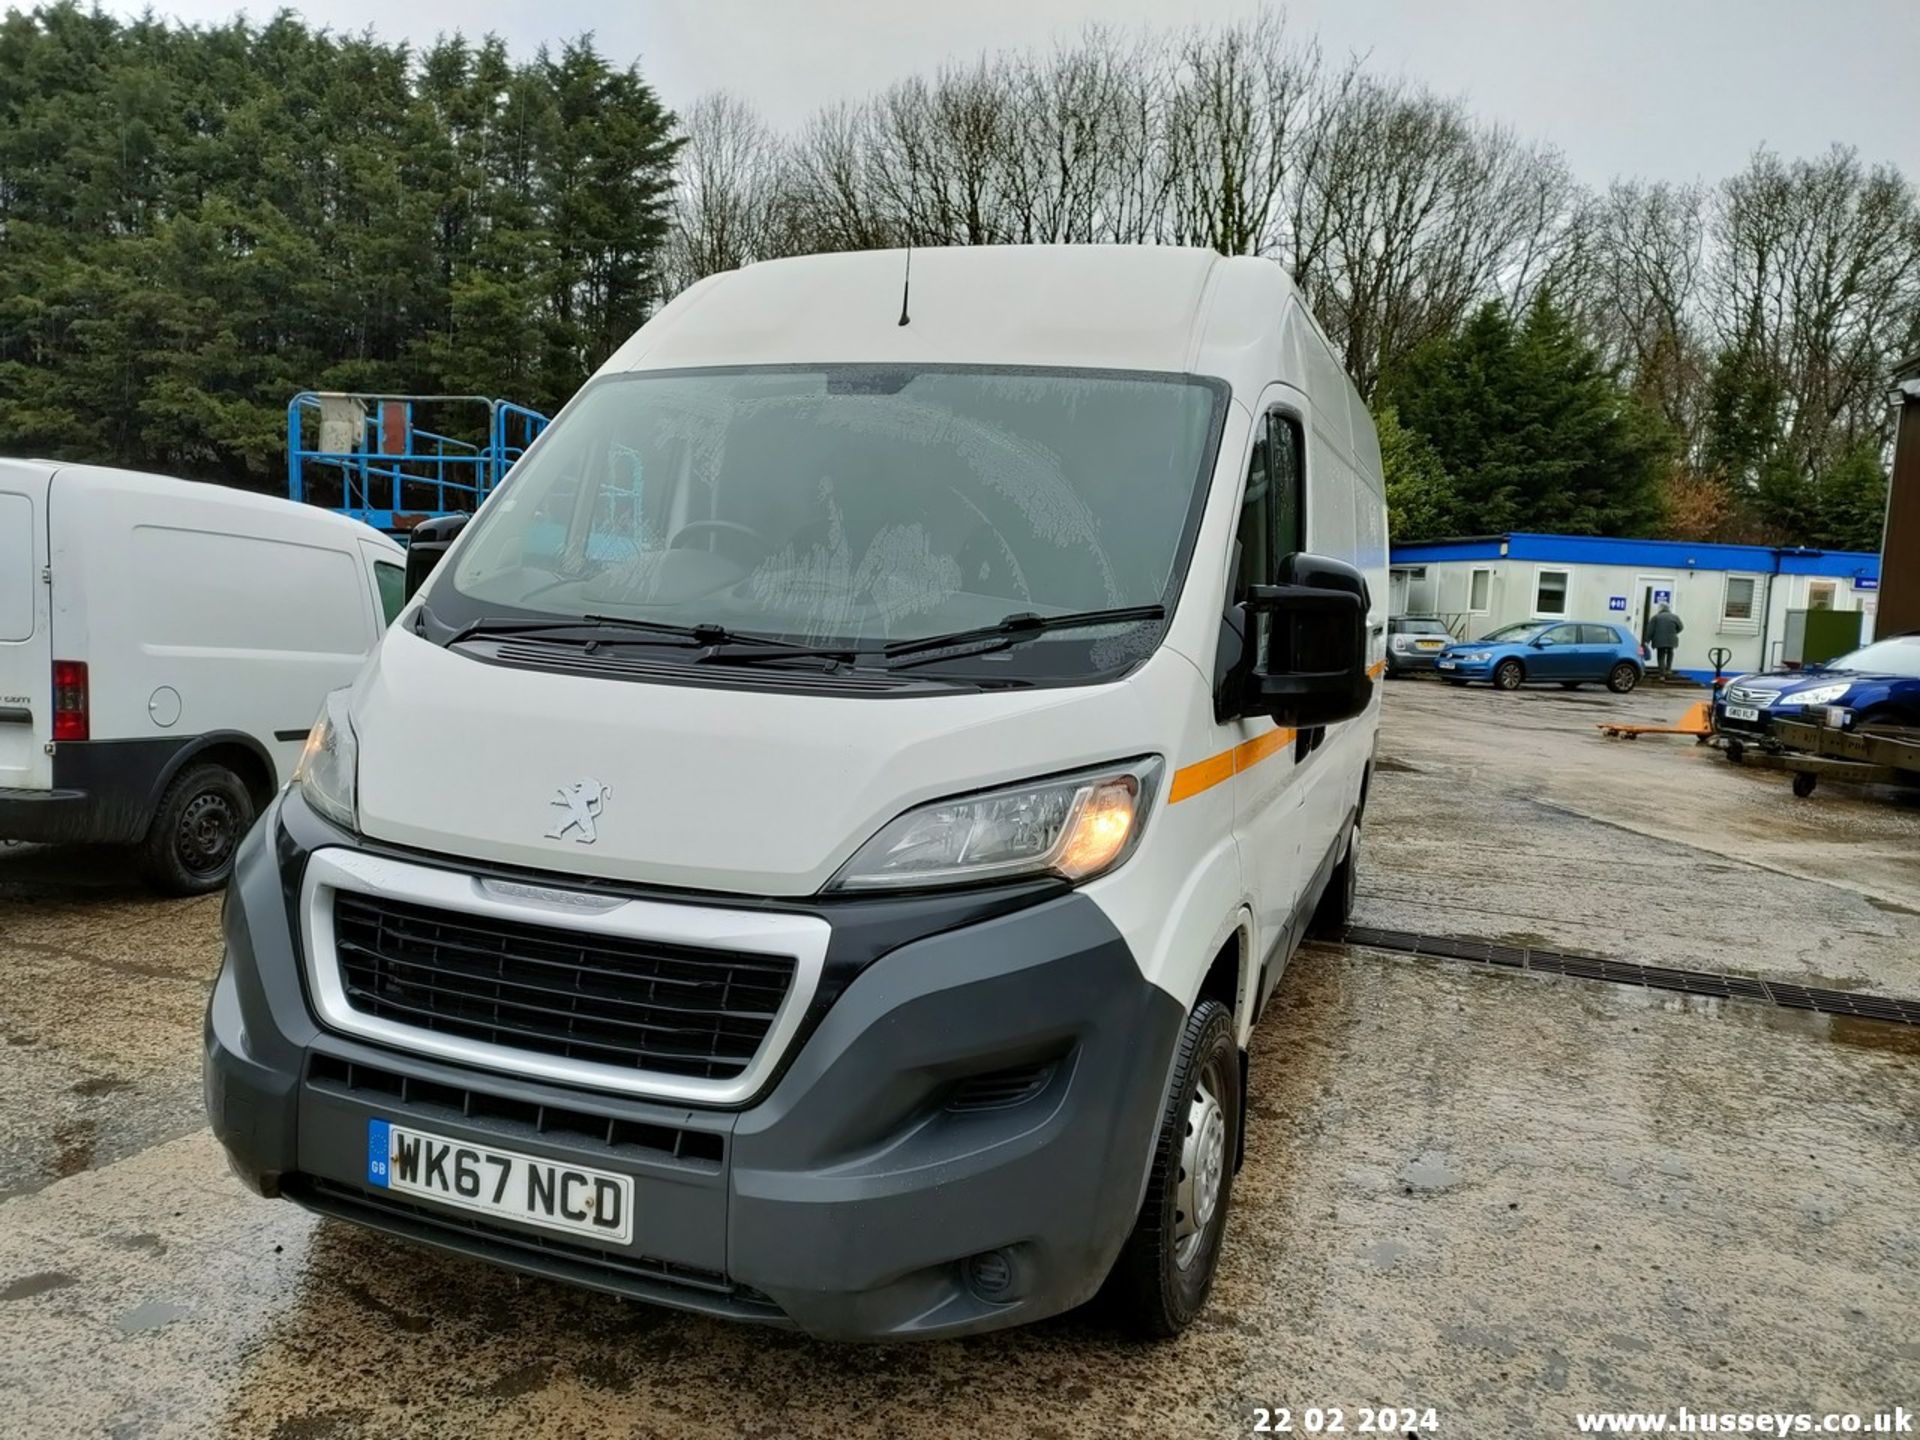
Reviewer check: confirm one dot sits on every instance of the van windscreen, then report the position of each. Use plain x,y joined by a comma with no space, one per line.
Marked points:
864,505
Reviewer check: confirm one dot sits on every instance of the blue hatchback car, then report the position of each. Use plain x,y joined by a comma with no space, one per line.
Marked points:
1569,652
1880,683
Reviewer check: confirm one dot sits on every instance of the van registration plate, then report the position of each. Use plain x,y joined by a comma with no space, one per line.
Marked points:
502,1183
1742,712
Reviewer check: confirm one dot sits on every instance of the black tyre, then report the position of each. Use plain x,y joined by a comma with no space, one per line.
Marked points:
1165,1270
1803,783
1335,910
202,817
1508,675
1623,677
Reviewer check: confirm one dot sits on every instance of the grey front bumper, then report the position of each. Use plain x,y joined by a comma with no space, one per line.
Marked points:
847,1199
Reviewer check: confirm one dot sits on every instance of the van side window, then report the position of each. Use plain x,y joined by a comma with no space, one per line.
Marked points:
1257,564
1287,477
392,581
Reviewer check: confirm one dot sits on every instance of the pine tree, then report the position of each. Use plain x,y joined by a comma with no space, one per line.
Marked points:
1530,430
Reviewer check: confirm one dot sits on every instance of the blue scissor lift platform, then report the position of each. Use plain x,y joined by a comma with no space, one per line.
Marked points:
395,460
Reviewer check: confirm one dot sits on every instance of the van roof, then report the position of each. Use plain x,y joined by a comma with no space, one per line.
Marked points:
144,482
1124,307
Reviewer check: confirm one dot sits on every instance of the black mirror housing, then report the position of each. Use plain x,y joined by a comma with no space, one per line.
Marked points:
1314,671
426,543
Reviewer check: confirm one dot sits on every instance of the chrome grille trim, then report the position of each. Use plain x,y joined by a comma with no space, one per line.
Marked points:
329,871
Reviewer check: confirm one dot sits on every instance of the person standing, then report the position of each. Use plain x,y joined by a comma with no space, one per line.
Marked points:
1663,632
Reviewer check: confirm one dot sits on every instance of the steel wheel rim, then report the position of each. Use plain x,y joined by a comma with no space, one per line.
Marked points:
206,834
1203,1170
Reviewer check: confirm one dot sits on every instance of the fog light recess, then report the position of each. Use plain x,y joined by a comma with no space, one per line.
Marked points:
993,1276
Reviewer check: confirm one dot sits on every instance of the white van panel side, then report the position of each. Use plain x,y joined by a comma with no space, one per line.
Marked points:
26,659
18,574
248,611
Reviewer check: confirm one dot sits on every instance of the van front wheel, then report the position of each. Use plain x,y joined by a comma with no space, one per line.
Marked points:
1165,1270
202,817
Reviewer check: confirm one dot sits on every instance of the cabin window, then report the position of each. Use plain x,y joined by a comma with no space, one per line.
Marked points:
1550,592
1479,591
1738,602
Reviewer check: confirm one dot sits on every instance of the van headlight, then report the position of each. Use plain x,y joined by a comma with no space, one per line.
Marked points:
1074,826
325,774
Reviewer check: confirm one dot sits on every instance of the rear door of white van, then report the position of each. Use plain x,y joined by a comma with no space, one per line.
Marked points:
26,657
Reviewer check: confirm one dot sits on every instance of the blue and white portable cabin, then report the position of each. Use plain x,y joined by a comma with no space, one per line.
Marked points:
1732,597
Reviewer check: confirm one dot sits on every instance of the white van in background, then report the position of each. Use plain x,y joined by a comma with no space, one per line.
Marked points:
163,645
888,738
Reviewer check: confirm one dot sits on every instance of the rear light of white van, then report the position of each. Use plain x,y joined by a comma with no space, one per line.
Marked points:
70,700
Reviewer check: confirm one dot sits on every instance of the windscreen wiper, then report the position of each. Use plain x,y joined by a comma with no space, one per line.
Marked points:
1010,631
719,643
690,635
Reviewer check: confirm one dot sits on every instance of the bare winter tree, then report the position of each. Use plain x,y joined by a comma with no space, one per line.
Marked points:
1234,111
733,201
1814,287
1407,214
1649,252
1759,319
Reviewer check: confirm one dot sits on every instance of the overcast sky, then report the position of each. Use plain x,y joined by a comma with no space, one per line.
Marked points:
1676,89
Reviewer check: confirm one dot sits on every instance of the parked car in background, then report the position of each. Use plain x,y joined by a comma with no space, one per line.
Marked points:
1879,683
163,647
1566,652
1414,643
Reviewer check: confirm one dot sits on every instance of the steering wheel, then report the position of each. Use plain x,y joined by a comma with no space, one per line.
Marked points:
719,527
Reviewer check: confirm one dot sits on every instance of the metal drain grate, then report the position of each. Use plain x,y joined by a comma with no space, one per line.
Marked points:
1653,977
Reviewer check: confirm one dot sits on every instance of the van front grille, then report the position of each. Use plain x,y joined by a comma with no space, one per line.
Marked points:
648,1005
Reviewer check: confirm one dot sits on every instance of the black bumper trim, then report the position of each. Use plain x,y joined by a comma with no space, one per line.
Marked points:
638,1277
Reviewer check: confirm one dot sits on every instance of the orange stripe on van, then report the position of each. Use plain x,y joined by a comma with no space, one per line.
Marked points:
1203,775
1373,670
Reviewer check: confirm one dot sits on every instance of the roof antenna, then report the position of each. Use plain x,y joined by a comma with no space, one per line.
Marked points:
906,285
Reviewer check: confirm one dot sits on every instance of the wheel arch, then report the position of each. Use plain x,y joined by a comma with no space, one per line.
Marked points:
236,750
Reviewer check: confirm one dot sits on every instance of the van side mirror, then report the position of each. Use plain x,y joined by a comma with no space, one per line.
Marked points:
1314,671
426,544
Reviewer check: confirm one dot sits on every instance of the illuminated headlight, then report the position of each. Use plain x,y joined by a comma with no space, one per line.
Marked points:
1074,826
1819,695
325,774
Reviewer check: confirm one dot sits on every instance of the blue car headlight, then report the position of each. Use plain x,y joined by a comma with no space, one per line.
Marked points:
1475,656
1819,695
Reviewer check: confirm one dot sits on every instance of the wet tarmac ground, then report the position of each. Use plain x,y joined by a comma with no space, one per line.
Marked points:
1504,1197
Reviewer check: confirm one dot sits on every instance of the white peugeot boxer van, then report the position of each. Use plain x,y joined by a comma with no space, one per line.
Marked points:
817,847
162,644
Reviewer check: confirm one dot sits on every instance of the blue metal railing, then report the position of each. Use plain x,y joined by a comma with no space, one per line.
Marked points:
398,473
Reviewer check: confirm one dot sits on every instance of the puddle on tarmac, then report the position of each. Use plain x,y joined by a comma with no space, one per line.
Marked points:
30,1285
73,1147
1873,1034
101,1085
151,1315
1430,1170
1851,1030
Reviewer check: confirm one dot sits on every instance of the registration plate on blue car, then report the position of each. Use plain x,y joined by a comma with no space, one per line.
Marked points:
1446,664
502,1183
